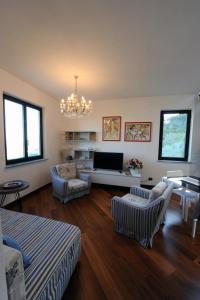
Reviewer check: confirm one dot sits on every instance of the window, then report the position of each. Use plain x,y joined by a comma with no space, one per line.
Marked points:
174,135
23,131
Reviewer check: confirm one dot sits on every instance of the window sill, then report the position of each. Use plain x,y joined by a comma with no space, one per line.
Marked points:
174,161
26,163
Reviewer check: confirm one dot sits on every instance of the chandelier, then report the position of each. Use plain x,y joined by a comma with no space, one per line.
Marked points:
73,106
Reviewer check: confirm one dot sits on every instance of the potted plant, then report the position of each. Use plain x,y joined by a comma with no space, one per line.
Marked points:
134,165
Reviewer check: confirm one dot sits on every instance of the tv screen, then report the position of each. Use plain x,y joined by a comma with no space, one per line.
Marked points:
108,160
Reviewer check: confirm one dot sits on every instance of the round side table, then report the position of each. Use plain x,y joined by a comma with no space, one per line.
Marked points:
4,191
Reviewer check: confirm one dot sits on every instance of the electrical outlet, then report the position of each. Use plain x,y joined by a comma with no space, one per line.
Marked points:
150,178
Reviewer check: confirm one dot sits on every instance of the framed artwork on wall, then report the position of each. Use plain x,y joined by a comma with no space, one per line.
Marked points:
111,128
137,132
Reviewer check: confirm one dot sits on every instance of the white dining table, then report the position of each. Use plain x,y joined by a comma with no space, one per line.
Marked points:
189,189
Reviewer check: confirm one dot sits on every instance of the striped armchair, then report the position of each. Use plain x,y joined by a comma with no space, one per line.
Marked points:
140,219
67,185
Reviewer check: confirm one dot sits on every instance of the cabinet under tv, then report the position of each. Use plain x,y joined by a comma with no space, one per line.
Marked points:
108,169
110,177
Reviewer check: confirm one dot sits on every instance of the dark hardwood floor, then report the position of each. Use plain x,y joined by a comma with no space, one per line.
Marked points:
115,267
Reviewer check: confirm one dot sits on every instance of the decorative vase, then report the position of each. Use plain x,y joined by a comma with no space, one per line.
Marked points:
134,171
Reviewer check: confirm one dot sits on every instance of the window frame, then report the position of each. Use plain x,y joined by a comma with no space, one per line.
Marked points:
24,109
187,139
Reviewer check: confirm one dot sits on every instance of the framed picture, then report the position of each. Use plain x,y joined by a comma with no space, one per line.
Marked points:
137,132
111,128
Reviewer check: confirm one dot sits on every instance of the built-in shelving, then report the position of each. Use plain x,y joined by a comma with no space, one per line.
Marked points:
80,136
83,154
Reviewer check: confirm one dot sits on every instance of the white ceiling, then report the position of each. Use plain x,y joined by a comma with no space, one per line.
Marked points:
119,48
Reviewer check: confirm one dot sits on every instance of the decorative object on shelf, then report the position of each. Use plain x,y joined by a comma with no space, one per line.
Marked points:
111,128
137,132
73,106
134,165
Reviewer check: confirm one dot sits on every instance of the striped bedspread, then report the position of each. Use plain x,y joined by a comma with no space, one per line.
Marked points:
54,249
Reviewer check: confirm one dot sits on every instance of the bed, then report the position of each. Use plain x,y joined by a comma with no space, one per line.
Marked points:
53,247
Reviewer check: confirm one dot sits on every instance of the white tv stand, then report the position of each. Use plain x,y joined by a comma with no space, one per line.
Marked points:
113,177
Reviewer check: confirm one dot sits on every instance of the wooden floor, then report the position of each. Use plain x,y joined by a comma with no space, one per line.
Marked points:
114,267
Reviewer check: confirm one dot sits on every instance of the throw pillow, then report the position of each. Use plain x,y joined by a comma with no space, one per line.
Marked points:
10,242
157,190
66,171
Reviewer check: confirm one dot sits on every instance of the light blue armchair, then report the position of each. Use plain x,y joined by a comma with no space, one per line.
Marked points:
139,217
66,184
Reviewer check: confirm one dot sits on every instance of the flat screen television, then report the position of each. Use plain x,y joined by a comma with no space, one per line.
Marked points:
108,160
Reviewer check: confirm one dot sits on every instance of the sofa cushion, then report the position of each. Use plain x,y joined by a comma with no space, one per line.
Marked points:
66,171
74,184
10,242
135,199
14,273
157,190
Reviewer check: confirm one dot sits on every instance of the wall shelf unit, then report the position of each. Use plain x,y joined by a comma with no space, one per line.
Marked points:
82,154
80,136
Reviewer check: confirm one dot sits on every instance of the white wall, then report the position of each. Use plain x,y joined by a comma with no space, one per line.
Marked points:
139,109
36,173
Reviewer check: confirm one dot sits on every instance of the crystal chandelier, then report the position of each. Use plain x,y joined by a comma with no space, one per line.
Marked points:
73,106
